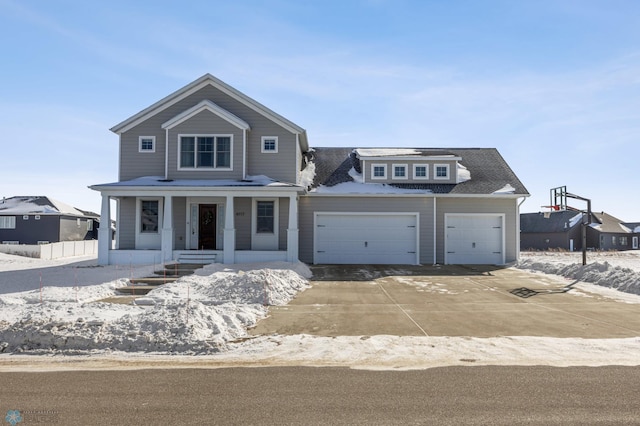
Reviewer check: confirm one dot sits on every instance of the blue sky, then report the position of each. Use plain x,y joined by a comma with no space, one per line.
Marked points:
554,85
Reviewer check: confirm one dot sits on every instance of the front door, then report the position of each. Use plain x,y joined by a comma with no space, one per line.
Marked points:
207,226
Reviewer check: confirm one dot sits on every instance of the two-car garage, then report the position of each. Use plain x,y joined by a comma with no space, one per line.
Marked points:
393,238
366,238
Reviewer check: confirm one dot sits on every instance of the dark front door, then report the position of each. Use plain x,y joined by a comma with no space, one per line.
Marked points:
207,227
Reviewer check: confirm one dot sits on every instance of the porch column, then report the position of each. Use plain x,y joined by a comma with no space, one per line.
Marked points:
167,229
292,231
104,231
229,248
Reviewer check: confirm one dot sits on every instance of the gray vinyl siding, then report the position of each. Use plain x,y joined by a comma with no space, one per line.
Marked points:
283,222
70,230
206,123
242,207
479,205
135,164
367,165
179,222
281,166
309,205
127,223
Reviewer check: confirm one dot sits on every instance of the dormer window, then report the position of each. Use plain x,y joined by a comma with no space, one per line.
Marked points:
269,144
147,144
420,171
205,152
399,171
378,171
441,171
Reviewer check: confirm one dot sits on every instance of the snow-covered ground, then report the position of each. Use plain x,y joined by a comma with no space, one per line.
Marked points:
207,314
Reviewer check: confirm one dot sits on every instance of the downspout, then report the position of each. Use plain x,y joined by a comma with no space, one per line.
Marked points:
434,230
518,228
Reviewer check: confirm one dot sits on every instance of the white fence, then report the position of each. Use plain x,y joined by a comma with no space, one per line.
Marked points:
53,250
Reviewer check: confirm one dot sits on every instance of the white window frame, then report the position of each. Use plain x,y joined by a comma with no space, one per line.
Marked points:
265,240
148,239
393,172
215,152
7,222
435,172
373,168
263,148
153,144
426,172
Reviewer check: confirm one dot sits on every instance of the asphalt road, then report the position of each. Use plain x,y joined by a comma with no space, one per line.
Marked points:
308,396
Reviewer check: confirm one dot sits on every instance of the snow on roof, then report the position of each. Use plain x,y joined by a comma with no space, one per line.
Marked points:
575,220
385,152
507,189
258,180
463,173
358,187
36,205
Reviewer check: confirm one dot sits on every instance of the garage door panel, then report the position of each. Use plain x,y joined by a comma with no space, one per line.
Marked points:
364,238
474,239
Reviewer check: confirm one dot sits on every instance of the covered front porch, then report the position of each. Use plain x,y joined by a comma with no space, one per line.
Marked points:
163,223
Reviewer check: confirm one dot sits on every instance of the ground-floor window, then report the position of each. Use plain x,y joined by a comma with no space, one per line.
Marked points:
149,216
265,218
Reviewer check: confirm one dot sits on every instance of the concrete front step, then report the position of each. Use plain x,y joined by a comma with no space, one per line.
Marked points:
136,290
155,281
197,258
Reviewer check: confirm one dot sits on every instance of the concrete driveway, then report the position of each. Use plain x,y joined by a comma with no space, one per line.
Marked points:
475,301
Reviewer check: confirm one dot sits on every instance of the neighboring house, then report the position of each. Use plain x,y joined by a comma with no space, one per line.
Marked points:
609,233
40,220
635,228
551,230
209,170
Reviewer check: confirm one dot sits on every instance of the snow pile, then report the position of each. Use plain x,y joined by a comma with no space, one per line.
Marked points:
599,271
196,314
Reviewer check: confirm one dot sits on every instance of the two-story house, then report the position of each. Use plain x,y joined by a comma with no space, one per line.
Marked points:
209,171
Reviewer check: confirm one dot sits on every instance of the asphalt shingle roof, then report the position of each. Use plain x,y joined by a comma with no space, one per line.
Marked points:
489,171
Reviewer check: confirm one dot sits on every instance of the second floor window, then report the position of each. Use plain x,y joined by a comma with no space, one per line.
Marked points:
205,152
442,171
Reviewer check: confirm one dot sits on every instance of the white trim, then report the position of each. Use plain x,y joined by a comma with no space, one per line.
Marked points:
502,217
244,154
393,172
435,172
263,139
195,86
195,168
153,144
426,176
373,176
208,106
149,240
411,158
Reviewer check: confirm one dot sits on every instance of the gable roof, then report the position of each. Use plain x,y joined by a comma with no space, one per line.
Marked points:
489,171
36,205
198,84
609,224
557,221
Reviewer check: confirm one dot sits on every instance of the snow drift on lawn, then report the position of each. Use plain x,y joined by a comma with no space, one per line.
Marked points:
616,270
196,314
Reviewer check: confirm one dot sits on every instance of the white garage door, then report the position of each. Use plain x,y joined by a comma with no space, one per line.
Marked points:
366,238
474,239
